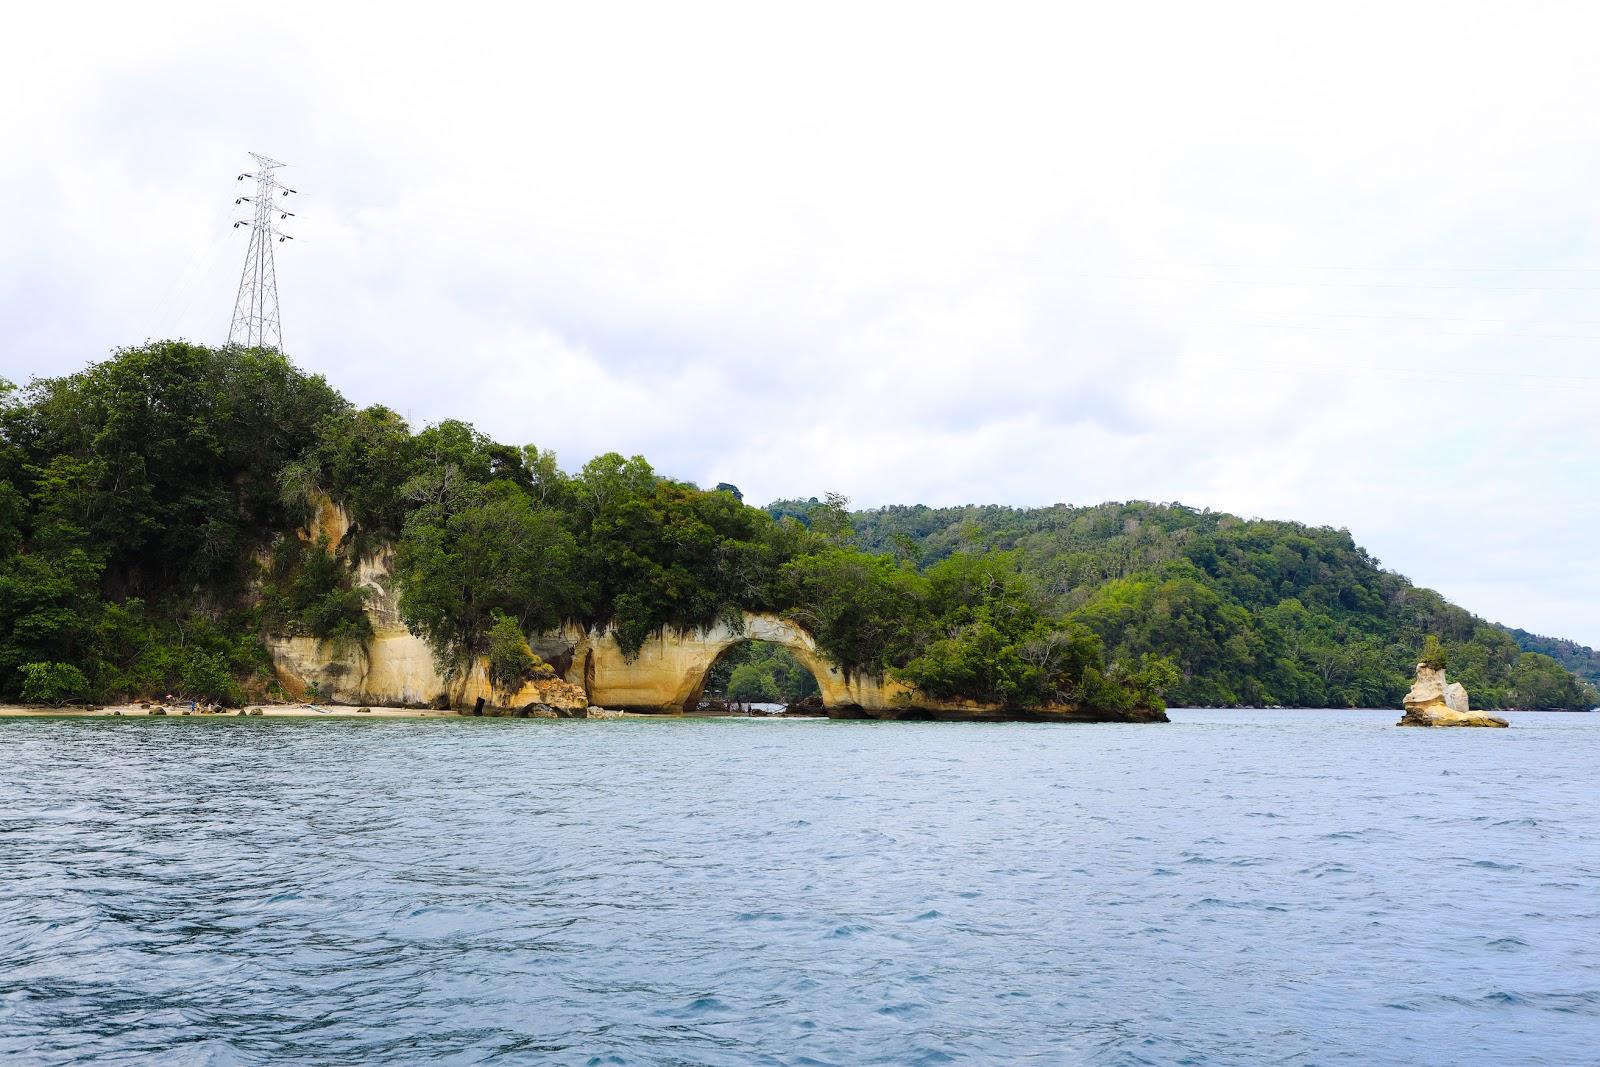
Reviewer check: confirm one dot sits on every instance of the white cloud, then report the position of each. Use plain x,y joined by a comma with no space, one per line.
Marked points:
1329,264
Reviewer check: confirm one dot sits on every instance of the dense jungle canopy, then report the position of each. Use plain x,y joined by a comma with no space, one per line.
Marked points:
150,508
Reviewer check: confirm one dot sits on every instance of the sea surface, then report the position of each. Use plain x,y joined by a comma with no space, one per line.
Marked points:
1235,888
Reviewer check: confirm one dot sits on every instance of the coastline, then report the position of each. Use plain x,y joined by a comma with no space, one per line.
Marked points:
320,711
344,711
270,711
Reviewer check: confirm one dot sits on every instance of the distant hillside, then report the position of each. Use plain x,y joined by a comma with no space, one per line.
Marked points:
1579,659
1251,611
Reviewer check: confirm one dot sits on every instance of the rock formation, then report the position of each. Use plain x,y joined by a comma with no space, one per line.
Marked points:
1436,701
666,676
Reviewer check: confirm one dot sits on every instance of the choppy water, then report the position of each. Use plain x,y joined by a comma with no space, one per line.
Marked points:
1236,888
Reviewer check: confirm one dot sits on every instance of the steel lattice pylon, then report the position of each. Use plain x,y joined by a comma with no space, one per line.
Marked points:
255,310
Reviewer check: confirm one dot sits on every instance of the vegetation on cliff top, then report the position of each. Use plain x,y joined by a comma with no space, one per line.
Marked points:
150,509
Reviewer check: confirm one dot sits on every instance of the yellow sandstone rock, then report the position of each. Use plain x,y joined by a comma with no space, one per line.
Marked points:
1436,701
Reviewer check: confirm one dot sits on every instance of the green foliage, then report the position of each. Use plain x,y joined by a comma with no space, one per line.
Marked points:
512,662
1581,660
1128,687
751,683
362,458
310,590
133,495
1537,681
999,645
488,550
866,612
790,679
1433,654
970,628
52,683
165,458
1250,612
659,553
831,518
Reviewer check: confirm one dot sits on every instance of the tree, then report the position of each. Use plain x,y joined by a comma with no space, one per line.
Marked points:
1433,654
52,683
546,484
512,661
831,518
866,612
361,459
792,680
751,683
497,554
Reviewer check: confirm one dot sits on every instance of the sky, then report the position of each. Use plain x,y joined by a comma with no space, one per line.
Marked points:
1336,263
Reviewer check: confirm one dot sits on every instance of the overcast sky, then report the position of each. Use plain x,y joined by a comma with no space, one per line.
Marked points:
1329,262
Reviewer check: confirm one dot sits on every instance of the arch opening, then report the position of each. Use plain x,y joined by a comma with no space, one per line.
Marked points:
756,676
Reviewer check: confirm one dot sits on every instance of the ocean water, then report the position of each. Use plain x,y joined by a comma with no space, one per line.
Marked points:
1234,888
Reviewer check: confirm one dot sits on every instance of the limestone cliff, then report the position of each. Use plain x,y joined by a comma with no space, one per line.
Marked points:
1436,701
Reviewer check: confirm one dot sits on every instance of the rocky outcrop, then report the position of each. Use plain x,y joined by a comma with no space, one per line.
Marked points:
397,669
1436,701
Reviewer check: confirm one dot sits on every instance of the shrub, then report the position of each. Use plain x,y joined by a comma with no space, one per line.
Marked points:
511,661
52,683
1432,653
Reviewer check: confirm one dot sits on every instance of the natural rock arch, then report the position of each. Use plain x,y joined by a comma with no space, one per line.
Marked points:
669,672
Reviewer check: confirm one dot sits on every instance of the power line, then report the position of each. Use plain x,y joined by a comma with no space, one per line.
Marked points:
256,322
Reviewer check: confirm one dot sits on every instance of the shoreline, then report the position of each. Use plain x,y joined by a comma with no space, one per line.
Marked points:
376,711
316,711
176,711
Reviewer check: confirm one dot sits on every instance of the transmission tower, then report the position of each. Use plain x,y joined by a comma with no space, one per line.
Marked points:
255,310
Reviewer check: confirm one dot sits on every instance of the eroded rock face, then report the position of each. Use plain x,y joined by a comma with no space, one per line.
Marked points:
396,667
1436,701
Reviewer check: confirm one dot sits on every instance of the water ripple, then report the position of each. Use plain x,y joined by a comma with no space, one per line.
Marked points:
1237,888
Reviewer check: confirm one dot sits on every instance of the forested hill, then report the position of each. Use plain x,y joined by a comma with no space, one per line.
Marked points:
1579,659
1251,611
